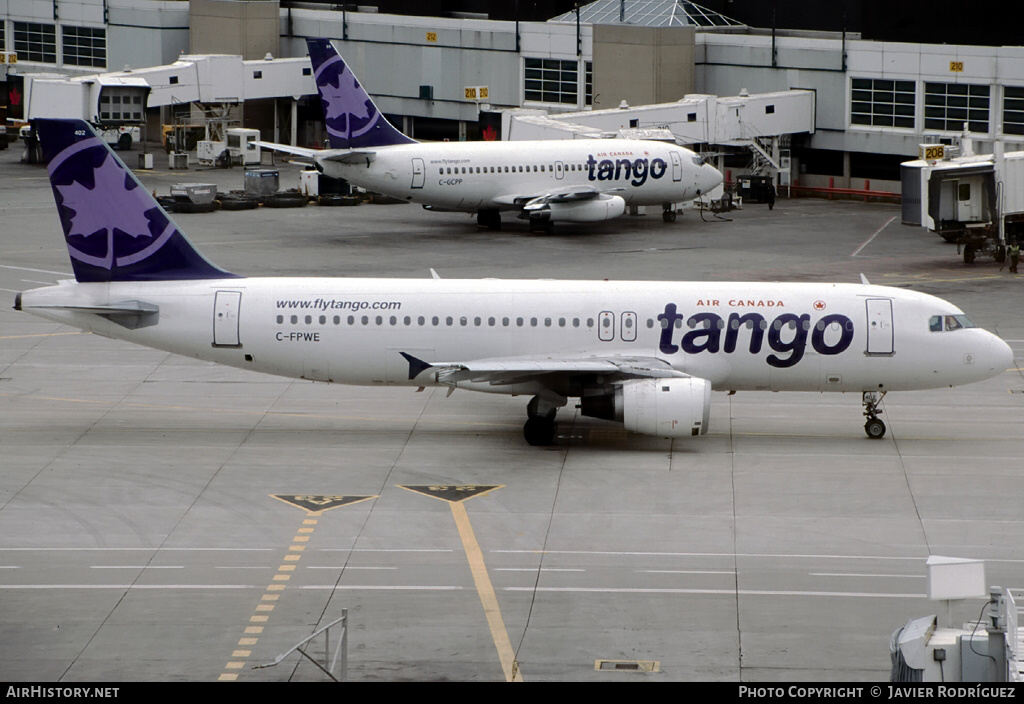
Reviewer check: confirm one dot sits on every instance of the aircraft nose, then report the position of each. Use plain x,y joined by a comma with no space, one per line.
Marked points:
1000,355
710,177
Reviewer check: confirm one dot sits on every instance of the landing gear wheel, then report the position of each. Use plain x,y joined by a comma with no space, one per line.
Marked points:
875,428
969,254
539,431
491,219
668,216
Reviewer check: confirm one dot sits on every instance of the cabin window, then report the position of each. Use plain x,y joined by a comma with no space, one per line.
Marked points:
366,320
561,322
590,322
407,320
393,320
323,320
435,320
533,322
421,320
490,322
547,322
575,322
280,319
505,322
519,322
448,321
542,167
351,320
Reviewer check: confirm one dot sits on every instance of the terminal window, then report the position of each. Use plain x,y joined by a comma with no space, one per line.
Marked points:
1013,110
84,46
551,81
947,106
882,103
35,42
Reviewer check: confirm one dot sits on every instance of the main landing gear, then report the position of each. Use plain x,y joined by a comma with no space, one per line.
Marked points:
491,219
540,423
875,428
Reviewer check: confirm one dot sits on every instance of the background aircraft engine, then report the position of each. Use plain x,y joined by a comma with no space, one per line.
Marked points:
672,408
603,207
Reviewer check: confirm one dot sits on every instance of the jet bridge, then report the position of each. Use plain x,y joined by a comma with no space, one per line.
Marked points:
973,200
761,123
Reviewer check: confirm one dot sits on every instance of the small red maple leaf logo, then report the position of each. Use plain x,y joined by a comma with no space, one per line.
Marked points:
490,134
14,97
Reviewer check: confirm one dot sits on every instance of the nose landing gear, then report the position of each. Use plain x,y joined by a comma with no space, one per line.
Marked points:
874,427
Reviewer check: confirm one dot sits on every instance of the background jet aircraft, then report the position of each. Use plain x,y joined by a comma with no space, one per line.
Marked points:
585,180
620,347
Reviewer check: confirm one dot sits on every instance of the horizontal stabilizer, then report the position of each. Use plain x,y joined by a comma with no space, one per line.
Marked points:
128,314
351,156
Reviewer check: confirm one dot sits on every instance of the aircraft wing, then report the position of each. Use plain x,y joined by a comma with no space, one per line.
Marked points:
570,194
346,156
499,371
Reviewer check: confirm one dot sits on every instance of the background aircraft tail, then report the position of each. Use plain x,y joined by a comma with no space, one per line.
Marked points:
115,230
352,119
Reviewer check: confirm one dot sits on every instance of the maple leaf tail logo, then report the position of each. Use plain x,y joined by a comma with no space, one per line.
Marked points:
352,119
114,229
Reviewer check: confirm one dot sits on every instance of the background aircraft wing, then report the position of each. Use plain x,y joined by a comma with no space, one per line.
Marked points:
518,370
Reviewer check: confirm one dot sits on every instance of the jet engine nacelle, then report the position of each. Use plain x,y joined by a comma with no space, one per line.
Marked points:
604,207
672,408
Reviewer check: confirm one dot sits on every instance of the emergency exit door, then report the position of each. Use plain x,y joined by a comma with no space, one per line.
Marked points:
225,319
880,330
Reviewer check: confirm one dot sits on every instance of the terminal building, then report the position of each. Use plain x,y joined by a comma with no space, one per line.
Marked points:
459,77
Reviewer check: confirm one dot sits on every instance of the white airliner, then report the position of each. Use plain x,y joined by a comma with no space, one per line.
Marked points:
645,354
544,182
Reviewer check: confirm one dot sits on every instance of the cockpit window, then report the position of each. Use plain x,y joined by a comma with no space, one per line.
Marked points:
939,323
697,161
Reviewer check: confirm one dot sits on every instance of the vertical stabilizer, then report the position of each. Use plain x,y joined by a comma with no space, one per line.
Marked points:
352,119
115,230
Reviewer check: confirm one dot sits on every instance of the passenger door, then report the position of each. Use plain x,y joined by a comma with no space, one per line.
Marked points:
226,307
880,330
418,173
677,166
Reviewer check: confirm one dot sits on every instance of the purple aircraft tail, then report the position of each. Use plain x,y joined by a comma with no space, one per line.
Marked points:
353,121
115,230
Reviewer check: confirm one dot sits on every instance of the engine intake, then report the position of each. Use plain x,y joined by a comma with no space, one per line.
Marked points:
672,408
